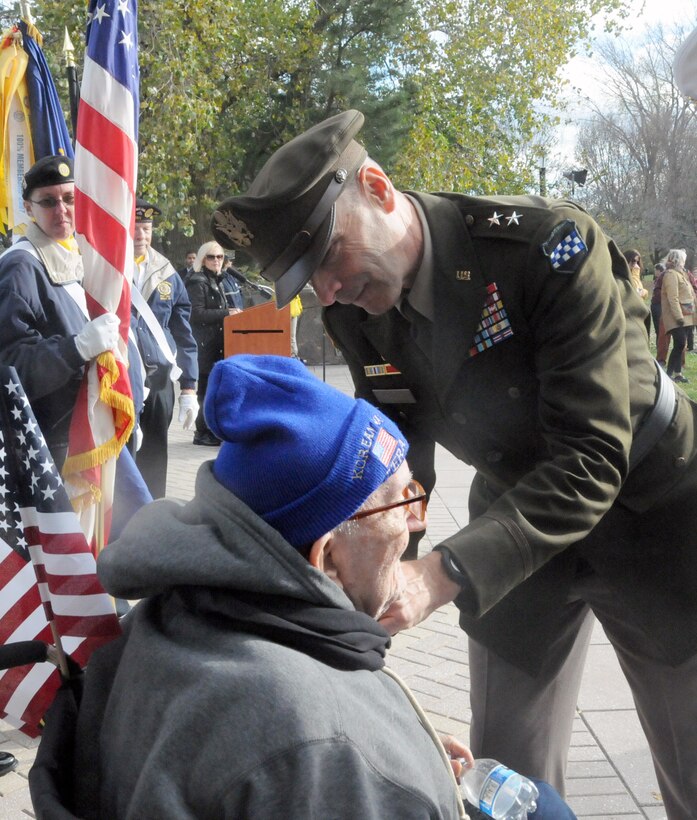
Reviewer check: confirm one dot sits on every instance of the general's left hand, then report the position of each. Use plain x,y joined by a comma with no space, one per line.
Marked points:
188,409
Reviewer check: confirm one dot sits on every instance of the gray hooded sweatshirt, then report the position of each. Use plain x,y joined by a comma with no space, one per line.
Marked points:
245,685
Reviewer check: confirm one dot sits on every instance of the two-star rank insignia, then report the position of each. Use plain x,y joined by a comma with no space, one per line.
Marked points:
512,219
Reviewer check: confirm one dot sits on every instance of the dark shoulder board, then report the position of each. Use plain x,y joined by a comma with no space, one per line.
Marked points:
512,219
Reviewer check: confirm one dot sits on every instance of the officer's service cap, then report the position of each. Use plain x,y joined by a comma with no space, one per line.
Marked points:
145,211
54,170
286,218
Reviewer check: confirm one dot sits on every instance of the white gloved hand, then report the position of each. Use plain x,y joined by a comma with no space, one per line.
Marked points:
138,433
97,336
188,410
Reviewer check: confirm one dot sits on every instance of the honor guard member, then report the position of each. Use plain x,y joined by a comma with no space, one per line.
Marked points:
45,331
508,330
160,319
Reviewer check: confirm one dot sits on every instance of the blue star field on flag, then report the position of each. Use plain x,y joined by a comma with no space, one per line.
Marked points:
112,42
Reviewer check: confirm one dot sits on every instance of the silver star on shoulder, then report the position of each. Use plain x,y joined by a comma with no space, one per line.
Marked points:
514,218
495,219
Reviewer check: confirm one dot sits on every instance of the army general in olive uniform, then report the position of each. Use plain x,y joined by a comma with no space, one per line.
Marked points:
507,329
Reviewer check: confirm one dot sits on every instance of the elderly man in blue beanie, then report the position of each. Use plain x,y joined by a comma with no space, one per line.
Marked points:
251,682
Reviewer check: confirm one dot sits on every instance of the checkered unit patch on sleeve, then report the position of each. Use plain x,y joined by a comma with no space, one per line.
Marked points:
571,245
565,248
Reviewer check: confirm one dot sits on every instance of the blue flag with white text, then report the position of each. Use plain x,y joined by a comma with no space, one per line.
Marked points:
48,128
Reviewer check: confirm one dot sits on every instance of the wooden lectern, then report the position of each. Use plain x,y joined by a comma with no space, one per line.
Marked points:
258,329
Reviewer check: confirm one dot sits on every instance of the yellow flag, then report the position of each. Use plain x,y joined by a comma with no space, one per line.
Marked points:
16,149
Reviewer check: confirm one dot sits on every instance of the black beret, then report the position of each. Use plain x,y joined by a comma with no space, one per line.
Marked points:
145,211
53,170
286,218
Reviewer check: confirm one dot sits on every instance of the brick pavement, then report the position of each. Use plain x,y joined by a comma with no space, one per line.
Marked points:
610,776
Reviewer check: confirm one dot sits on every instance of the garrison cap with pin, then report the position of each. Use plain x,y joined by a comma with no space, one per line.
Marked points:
53,170
145,211
286,218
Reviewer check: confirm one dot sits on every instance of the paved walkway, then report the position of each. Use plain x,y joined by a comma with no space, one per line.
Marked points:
609,775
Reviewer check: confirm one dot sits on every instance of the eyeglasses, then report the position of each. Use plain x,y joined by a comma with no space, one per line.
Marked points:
50,202
414,499
214,256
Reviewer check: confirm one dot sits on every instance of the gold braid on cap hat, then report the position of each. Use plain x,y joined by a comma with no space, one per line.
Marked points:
234,228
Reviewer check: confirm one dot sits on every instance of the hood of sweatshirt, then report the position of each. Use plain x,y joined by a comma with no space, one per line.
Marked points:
213,541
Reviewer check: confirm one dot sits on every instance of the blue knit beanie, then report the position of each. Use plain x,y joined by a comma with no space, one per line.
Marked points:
298,452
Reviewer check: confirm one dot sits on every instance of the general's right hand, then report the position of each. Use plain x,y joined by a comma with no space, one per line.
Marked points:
97,336
426,588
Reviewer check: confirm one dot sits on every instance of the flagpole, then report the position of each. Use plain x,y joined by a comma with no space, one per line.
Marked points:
25,10
58,656
73,85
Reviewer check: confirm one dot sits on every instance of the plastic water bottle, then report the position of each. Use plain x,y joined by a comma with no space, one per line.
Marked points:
497,791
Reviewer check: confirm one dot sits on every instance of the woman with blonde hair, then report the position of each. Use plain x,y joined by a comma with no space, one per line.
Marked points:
208,309
677,309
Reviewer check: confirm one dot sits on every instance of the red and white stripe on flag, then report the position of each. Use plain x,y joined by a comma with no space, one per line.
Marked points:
106,159
47,570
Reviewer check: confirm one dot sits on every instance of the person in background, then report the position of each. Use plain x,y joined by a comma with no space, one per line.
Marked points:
662,340
507,329
633,258
258,633
296,309
188,268
45,330
160,311
677,309
209,307
232,279
690,340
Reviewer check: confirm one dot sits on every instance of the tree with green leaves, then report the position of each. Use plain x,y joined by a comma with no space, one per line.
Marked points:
452,91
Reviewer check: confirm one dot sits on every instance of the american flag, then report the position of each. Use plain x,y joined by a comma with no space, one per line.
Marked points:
384,447
106,161
47,571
